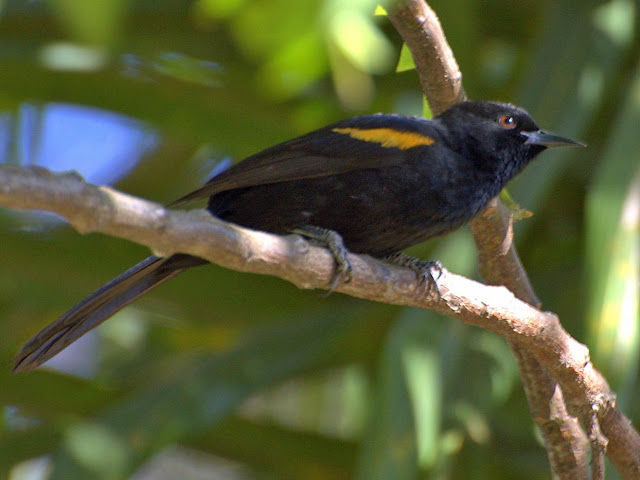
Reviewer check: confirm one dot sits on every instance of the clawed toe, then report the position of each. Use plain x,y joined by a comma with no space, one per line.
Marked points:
427,271
333,241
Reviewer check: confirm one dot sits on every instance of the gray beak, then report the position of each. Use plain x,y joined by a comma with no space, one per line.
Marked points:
549,140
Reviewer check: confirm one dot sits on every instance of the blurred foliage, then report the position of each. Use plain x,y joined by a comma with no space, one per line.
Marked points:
284,382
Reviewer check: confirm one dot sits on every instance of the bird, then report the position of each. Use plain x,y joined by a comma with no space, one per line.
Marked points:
373,184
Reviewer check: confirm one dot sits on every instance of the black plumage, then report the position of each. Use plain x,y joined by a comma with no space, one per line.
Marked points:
382,182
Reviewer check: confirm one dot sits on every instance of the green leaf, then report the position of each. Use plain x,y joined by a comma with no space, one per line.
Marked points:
196,393
405,62
389,447
613,253
95,23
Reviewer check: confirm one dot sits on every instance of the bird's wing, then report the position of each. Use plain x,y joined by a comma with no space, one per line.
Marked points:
374,141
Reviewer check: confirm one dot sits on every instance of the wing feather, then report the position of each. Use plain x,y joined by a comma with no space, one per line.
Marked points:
324,152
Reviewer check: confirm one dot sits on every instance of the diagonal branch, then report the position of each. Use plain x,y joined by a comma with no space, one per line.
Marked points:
89,208
547,345
438,71
499,264
498,260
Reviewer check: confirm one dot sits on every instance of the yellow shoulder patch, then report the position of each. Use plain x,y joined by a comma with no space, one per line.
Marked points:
387,137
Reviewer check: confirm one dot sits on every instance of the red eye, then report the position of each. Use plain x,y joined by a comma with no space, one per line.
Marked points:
507,121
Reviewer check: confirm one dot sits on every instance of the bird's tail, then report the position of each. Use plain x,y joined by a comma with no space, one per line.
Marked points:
99,306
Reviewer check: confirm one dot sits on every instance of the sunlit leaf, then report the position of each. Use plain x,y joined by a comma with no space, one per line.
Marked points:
218,9
405,62
613,244
96,23
361,41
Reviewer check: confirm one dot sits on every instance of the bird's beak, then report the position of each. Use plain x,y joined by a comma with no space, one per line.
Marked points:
549,140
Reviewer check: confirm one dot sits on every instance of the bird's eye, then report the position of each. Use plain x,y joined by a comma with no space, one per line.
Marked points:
507,121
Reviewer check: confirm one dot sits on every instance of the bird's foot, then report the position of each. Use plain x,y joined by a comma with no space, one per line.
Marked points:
427,271
332,240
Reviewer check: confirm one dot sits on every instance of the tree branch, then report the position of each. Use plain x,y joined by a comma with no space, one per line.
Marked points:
498,260
538,340
499,264
437,68
89,208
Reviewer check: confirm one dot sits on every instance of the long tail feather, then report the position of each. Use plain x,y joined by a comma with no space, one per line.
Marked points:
99,306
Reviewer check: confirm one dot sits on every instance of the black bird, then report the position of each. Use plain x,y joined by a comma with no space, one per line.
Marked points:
374,184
